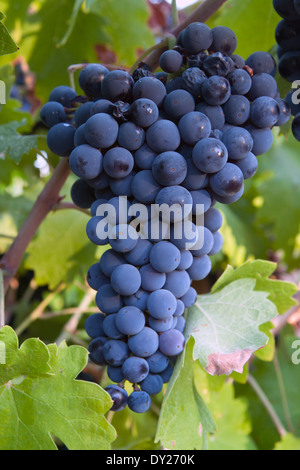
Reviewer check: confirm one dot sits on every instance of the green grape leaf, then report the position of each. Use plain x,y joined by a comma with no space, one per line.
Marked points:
199,412
226,326
184,416
13,144
7,44
280,292
288,442
40,398
52,255
280,382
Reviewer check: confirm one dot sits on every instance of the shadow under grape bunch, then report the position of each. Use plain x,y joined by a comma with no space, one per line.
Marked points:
187,136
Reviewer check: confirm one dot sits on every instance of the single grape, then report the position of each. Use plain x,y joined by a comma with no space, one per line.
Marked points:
160,325
237,110
131,136
265,112
248,165
262,62
82,194
238,142
90,79
145,343
191,81
144,112
95,278
96,350
216,90
117,86
224,40
108,300
262,139
110,328
126,279
118,162
135,369
150,88
210,155
115,352
240,82
190,297
123,238
144,157
161,304
178,103
157,363
86,162
138,300
213,219
109,261
197,37
101,106
167,373
285,112
153,384
228,181
83,113
178,283
79,137
94,325
199,270
178,197
286,9
144,187
214,113
118,395
218,244
169,169
296,127
130,320
193,127
122,186
171,342
140,255
101,131
289,66
115,374
163,136
64,95
139,402
171,61
53,113
152,280
60,139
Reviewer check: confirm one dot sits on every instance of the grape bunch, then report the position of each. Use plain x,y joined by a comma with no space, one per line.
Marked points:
153,154
288,40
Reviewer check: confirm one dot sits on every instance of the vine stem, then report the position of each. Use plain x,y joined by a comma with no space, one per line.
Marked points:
267,404
283,394
48,198
175,18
